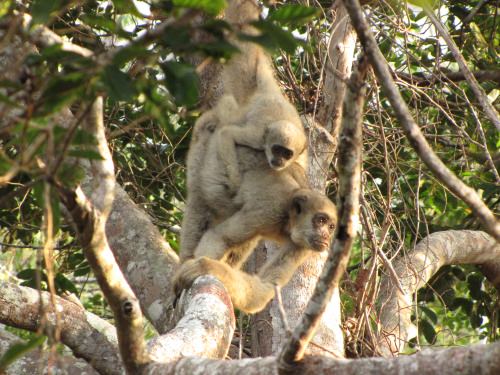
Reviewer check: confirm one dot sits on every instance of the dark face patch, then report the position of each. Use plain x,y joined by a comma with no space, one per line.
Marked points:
280,152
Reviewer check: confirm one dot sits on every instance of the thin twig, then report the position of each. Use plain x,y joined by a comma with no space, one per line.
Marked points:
284,319
488,108
348,207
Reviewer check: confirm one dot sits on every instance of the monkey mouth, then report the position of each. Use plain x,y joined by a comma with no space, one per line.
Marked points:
277,165
320,245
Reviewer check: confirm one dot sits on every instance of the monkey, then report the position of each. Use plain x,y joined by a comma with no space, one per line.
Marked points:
197,213
276,205
249,162
266,121
303,226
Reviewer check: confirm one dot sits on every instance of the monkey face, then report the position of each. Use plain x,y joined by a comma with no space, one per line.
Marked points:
284,142
313,218
279,157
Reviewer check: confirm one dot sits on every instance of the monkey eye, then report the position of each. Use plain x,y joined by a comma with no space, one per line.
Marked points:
296,207
321,219
282,152
331,226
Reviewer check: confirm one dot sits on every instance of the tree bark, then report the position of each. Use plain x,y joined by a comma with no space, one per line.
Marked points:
477,359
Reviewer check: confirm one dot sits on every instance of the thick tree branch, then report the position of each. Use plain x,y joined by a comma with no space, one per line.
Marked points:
412,131
337,65
348,207
206,326
477,359
91,234
21,309
90,221
417,267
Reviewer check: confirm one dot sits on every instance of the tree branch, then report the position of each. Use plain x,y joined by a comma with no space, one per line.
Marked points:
417,267
475,359
422,79
90,221
206,327
348,209
79,331
412,131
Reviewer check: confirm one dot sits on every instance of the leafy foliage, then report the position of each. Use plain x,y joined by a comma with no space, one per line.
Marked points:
152,91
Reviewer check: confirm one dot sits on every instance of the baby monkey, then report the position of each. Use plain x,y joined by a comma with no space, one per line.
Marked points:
265,121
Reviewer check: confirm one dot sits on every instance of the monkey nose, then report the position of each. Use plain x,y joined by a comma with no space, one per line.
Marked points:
276,163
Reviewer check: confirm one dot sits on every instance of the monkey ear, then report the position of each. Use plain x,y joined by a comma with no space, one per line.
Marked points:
298,203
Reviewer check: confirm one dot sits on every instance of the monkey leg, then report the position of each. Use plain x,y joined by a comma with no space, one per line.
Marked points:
196,220
249,293
241,287
234,235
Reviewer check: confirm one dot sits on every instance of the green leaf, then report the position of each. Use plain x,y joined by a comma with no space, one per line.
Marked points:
64,284
100,22
83,271
83,137
70,174
422,3
61,90
430,314
86,154
182,82
5,165
128,53
57,55
27,274
4,7
126,6
43,10
17,350
466,304
74,259
475,283
212,7
458,273
427,330
218,49
294,14
273,37
118,84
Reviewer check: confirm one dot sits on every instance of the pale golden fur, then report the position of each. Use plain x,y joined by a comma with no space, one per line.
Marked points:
262,119
242,189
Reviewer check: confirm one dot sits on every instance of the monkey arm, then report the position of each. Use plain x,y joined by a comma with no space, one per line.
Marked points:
234,235
227,139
